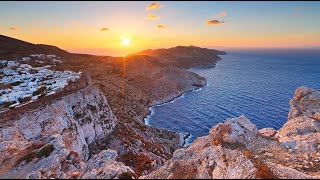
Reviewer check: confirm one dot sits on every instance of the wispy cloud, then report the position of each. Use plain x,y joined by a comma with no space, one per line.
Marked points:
104,29
153,6
222,14
152,17
214,22
159,26
13,29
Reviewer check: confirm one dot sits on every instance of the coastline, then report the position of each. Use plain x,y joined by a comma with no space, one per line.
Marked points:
184,136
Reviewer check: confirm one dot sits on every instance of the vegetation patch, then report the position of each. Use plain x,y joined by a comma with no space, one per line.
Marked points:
24,100
92,107
125,175
42,95
86,120
33,71
184,171
28,157
17,83
39,91
78,115
45,151
7,104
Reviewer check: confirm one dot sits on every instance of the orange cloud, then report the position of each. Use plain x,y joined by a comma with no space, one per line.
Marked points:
214,22
13,29
152,16
153,6
222,14
104,29
159,26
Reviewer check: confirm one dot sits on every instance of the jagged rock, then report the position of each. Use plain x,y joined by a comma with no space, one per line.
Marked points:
202,160
282,172
268,132
54,138
302,130
305,102
105,166
236,149
235,130
209,156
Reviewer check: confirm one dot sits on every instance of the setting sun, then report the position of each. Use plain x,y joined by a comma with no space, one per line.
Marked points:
125,41
159,89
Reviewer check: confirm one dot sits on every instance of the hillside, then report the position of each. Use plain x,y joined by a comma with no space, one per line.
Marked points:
130,85
14,48
185,56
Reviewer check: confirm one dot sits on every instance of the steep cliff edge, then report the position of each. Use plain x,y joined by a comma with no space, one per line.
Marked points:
52,141
236,148
130,84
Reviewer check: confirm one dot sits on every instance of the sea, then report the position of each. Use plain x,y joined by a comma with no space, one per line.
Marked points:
256,83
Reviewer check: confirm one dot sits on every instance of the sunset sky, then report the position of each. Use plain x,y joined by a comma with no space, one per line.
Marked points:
119,28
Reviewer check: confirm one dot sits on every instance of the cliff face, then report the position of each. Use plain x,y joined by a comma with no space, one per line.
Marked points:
131,85
235,148
52,141
147,74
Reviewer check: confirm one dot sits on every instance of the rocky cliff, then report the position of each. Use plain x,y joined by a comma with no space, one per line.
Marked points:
131,85
236,148
52,141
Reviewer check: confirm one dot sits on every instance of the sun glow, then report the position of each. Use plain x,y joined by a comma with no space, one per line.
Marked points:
125,41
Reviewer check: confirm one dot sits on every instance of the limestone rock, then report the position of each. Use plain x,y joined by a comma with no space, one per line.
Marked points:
268,132
235,130
302,130
55,136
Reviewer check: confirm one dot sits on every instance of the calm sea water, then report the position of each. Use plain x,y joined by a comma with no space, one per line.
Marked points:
257,84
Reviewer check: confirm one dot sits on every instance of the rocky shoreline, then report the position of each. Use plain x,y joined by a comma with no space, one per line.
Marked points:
183,136
98,131
235,148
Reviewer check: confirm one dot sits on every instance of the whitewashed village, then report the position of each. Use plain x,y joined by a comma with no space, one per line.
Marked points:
22,83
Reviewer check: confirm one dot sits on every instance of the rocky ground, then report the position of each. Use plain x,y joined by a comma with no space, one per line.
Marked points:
130,85
235,148
94,128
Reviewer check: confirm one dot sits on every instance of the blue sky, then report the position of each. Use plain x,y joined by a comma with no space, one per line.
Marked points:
76,25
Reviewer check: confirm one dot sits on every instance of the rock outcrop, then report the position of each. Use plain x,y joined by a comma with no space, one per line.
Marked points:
131,85
302,130
236,148
52,141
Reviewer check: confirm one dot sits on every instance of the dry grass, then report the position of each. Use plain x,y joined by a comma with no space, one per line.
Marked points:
184,171
263,171
140,162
